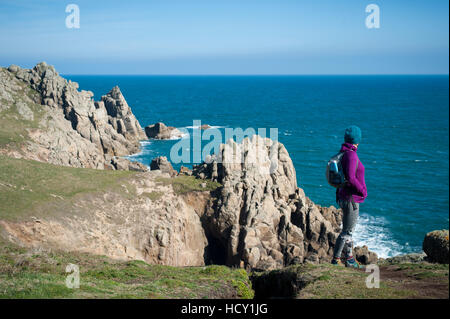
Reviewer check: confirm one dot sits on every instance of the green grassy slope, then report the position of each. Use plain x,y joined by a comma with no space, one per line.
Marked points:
26,184
40,274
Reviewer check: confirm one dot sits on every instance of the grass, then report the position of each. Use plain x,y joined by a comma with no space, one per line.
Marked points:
326,281
26,184
184,184
41,274
423,266
423,271
28,187
343,283
154,196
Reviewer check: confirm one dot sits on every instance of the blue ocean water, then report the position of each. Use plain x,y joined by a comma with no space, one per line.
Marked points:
404,120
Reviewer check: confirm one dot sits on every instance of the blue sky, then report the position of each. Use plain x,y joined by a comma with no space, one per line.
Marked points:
228,37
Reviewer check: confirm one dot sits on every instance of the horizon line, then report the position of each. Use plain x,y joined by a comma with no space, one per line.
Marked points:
250,74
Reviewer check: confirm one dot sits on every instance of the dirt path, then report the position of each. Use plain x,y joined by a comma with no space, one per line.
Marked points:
425,282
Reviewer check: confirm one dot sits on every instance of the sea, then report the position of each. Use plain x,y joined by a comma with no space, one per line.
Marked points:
404,121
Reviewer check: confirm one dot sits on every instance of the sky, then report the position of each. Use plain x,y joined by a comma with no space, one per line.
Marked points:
227,36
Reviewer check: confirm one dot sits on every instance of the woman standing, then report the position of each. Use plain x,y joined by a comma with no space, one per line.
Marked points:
349,197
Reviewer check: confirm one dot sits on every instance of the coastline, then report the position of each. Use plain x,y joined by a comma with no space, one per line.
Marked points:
153,203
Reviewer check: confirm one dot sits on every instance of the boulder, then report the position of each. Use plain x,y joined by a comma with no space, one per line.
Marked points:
205,127
24,111
401,259
160,131
137,167
161,163
185,171
436,246
120,163
364,256
13,68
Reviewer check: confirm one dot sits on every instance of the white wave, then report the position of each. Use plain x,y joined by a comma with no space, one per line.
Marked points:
196,127
140,153
143,152
308,150
178,136
371,231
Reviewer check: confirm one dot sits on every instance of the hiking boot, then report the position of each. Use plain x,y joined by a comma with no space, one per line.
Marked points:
352,263
337,262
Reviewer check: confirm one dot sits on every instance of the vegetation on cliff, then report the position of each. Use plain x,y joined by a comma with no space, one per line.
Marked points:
18,112
120,214
37,273
398,280
26,186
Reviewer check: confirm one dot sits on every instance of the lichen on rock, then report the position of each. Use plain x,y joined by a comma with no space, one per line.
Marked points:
436,246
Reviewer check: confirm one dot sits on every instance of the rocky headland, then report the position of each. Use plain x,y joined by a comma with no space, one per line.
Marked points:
61,125
65,187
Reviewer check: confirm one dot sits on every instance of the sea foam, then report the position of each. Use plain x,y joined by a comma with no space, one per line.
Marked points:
372,232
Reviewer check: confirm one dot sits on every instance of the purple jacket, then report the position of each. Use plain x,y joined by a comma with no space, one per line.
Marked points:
356,185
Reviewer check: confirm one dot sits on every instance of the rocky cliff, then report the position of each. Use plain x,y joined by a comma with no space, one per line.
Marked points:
69,128
256,217
247,215
260,218
242,208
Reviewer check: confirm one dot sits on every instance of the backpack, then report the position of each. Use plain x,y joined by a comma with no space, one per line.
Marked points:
335,173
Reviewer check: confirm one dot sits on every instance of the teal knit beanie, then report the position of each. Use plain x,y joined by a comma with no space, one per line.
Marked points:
352,135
